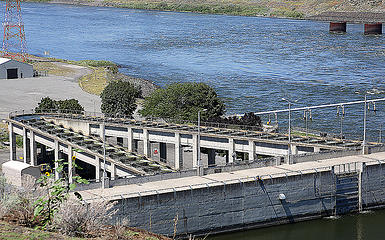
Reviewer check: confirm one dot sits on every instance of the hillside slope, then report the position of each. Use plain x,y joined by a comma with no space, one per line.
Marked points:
269,8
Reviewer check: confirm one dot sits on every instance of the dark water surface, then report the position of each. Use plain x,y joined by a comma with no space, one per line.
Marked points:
252,62
366,226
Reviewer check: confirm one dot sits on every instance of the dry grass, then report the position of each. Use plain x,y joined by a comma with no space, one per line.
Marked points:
95,82
53,69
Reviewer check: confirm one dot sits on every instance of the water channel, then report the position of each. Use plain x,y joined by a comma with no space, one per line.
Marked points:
252,63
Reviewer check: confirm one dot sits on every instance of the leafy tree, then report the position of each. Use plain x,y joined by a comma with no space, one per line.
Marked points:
48,104
183,101
70,104
118,98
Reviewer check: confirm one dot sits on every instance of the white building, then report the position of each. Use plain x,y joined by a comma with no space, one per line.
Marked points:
10,69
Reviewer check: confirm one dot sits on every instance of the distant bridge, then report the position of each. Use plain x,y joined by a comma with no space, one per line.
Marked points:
338,20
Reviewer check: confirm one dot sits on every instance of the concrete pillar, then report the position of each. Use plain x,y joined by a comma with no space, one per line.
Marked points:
25,145
231,150
195,150
56,153
251,151
146,143
130,140
97,169
337,27
317,149
32,144
102,129
113,171
12,143
70,166
373,28
178,154
360,173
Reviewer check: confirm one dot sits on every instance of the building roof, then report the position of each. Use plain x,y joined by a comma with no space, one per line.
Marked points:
4,60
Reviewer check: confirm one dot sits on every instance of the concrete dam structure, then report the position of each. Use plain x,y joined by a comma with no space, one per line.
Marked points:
161,191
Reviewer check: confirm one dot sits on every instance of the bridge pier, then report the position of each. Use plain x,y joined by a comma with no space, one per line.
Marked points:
373,28
337,27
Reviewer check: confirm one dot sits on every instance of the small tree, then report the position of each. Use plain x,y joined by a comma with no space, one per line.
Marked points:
118,98
183,101
55,193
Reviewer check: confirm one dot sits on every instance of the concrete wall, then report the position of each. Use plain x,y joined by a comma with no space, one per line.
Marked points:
231,206
373,186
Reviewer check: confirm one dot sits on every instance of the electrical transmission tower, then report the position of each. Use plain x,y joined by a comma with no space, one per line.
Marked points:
14,44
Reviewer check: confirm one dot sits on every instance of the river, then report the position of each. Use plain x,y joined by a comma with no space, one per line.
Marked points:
252,62
365,226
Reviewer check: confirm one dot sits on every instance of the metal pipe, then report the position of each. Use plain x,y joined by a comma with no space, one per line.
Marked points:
313,107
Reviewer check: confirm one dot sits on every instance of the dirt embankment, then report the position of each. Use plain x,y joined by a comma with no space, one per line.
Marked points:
268,8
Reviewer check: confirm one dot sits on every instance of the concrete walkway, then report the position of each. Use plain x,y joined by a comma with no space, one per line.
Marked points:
26,93
219,178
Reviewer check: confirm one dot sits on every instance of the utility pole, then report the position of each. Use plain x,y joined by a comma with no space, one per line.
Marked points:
14,42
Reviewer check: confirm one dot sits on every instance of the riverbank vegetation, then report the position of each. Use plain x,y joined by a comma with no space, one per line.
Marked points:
47,209
267,8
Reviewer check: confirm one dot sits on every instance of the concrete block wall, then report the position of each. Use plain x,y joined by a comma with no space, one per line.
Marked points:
373,185
231,206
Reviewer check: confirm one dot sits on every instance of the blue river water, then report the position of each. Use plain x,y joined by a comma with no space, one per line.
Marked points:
252,62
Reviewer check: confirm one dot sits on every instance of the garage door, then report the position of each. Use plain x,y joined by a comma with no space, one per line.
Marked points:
11,73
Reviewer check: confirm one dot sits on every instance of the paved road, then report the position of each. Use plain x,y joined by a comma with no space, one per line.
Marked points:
26,93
